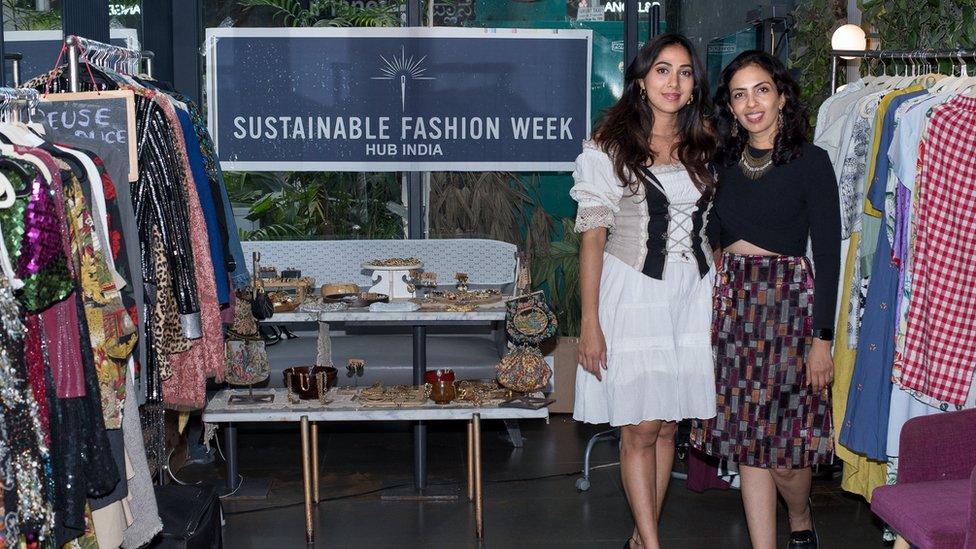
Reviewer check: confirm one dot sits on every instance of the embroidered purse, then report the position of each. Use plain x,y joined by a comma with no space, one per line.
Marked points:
529,322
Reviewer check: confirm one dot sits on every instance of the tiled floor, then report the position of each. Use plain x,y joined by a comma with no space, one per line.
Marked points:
522,510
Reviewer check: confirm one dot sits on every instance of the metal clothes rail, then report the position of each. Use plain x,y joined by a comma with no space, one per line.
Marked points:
904,55
83,50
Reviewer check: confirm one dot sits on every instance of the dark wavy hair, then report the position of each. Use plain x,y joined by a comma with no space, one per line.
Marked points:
796,126
624,131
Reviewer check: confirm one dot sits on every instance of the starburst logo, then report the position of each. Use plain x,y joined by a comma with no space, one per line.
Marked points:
403,68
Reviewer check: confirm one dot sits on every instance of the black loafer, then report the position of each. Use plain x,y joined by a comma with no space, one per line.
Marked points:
803,539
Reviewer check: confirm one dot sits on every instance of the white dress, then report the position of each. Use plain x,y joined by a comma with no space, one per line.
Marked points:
658,332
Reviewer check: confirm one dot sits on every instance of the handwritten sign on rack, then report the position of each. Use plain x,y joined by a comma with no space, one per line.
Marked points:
103,123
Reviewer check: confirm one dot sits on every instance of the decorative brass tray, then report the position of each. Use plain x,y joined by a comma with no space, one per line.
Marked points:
470,297
394,396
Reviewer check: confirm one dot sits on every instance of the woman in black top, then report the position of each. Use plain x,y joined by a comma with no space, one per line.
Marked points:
773,323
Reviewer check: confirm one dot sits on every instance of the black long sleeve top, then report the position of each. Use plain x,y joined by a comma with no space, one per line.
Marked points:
780,211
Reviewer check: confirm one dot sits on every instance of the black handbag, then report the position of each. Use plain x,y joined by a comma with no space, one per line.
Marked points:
191,517
261,306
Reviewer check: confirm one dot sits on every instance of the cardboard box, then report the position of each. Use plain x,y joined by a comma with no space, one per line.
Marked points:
563,355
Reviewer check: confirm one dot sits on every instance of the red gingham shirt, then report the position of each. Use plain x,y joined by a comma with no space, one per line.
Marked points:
940,343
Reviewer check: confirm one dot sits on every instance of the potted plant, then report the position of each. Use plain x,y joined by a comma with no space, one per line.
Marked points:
557,272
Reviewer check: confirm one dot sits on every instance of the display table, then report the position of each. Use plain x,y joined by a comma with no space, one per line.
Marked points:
478,316
343,407
419,320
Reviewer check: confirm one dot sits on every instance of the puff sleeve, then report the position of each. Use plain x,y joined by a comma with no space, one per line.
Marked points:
596,189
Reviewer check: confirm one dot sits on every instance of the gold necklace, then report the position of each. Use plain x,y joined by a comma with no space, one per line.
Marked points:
754,168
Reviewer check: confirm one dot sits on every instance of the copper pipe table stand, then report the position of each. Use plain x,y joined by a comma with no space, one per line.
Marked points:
308,412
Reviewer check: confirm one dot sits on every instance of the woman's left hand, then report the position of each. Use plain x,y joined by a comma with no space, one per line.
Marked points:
820,365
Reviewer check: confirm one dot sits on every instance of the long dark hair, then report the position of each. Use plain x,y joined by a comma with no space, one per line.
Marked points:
624,131
791,137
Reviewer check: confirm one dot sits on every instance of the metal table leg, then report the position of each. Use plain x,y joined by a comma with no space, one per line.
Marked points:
470,460
514,433
230,449
315,460
479,518
419,428
307,482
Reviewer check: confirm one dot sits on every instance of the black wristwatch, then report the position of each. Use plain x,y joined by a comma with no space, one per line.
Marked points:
825,334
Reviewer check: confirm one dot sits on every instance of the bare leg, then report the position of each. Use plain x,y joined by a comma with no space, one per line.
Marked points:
759,500
638,464
664,452
794,486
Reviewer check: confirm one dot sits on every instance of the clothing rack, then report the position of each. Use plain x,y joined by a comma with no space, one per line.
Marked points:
15,60
27,95
18,98
83,50
904,55
148,56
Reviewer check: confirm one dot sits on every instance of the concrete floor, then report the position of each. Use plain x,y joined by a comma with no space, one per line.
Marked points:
531,500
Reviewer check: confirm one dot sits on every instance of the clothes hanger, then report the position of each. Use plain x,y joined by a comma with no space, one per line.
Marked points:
949,82
9,153
931,74
9,163
7,193
15,132
9,196
19,134
25,109
966,83
35,127
869,78
7,266
880,79
892,81
908,78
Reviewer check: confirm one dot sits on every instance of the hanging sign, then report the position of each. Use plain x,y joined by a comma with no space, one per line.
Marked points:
103,123
407,99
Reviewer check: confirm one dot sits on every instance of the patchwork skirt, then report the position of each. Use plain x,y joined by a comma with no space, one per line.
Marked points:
761,332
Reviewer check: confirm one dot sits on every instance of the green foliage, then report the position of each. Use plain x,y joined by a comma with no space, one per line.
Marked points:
921,24
305,205
897,24
558,273
19,15
329,13
496,205
810,56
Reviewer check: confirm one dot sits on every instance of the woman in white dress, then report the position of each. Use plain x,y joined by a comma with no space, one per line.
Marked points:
644,187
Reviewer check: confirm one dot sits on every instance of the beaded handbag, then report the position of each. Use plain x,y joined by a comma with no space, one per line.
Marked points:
529,322
246,357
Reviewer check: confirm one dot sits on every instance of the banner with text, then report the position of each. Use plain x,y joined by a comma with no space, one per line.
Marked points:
413,99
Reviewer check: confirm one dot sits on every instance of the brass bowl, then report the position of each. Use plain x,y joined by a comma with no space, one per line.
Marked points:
443,391
339,288
304,382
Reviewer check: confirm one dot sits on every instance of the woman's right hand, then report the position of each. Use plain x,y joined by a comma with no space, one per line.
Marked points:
592,354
